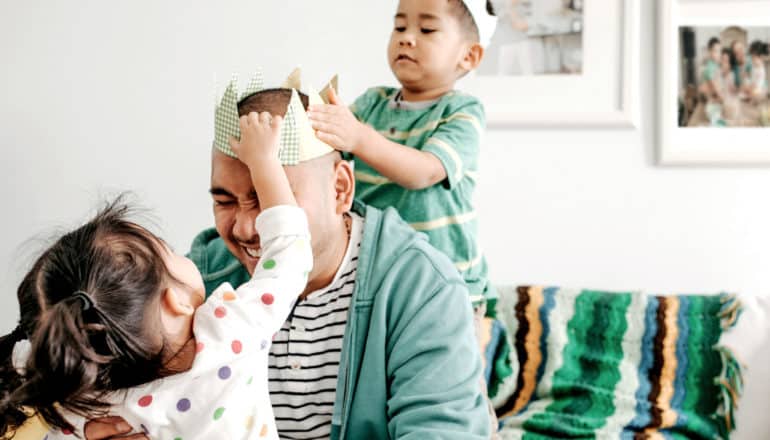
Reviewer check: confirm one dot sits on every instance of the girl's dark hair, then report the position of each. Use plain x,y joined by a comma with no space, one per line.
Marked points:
85,347
759,48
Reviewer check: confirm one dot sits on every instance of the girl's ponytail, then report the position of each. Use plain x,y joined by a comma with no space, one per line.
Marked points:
89,308
11,417
62,371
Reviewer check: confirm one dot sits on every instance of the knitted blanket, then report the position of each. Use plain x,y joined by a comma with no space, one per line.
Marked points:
586,364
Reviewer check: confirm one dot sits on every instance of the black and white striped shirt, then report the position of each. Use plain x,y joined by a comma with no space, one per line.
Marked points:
305,355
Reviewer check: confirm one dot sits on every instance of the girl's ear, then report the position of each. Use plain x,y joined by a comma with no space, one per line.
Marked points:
473,57
176,303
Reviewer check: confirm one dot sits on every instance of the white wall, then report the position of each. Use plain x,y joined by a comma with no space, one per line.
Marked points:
119,95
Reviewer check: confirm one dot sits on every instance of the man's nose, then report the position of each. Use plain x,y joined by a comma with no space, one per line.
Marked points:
244,229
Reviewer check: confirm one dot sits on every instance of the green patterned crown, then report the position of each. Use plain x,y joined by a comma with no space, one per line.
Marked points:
298,140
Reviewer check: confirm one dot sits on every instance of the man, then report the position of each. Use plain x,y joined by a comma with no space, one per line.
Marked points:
381,343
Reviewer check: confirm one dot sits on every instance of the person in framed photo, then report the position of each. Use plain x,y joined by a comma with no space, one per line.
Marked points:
727,77
711,83
741,65
756,87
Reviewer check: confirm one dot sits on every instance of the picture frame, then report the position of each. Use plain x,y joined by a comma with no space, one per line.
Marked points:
682,141
604,95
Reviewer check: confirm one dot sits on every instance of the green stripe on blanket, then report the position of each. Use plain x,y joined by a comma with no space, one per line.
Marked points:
590,364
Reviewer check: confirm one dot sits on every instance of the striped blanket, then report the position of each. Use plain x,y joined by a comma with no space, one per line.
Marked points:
586,364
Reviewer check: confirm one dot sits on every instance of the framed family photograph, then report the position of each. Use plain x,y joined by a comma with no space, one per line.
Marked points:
714,71
558,63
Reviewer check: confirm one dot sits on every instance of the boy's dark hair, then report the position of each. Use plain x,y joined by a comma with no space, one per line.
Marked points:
81,306
274,101
758,48
468,26
713,42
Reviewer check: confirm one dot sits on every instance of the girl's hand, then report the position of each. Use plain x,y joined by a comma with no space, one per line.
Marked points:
108,428
260,136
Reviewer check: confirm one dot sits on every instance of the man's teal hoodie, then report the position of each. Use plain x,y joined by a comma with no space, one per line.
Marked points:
410,365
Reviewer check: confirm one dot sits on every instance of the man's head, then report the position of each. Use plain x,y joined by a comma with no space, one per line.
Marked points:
715,49
323,187
433,43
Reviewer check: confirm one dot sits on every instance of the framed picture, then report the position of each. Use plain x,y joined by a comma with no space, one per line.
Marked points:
558,63
714,65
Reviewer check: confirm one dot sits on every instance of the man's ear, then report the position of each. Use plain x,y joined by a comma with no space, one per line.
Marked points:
473,57
344,186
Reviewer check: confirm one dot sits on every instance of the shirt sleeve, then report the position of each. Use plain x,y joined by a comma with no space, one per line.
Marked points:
434,365
456,141
258,308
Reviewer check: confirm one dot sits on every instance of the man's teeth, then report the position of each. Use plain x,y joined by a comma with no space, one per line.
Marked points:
254,253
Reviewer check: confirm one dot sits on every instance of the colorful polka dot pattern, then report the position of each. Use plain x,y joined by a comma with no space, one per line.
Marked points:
224,373
145,401
183,405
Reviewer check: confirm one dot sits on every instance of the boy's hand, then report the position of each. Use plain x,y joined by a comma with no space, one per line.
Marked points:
260,135
336,125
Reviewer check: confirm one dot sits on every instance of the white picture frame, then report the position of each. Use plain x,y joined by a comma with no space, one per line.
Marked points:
709,146
605,95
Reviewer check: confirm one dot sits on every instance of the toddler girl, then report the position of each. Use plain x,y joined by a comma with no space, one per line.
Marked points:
113,322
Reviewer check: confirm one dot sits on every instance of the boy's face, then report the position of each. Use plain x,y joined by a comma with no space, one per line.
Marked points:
427,45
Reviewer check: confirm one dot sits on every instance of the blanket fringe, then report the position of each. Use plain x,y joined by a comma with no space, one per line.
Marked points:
731,310
730,380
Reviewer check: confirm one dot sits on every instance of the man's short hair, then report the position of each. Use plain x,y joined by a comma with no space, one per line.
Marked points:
462,14
274,101
713,42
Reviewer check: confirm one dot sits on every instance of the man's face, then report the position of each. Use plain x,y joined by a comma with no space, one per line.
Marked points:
236,206
426,44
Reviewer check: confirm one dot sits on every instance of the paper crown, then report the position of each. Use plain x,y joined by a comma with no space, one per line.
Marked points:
298,141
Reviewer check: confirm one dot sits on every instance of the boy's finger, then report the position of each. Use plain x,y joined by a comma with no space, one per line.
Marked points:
323,115
276,122
333,98
253,118
329,138
322,108
323,126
